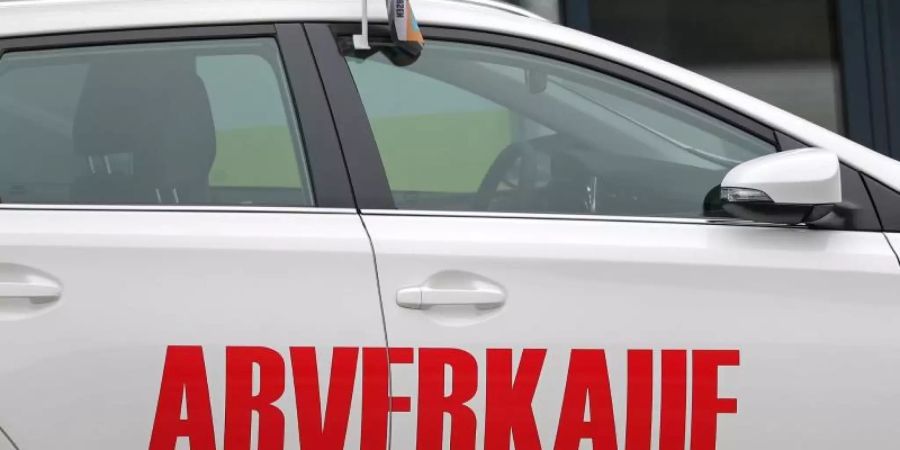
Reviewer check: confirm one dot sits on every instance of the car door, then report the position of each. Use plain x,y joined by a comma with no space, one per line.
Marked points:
5,444
178,241
557,271
887,201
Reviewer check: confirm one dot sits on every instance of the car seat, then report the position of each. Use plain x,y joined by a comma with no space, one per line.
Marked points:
145,127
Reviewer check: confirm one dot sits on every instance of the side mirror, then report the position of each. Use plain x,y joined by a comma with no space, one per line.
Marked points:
791,187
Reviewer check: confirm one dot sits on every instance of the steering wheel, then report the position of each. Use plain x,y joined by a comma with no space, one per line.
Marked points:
521,180
545,174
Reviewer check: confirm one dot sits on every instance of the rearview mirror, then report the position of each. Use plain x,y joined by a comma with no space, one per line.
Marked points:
791,187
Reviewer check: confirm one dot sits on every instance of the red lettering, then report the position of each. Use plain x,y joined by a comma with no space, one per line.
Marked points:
377,401
433,403
640,400
240,403
314,433
587,383
673,405
183,379
509,412
705,401
586,414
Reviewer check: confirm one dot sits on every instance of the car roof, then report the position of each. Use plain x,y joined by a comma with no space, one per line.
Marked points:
37,17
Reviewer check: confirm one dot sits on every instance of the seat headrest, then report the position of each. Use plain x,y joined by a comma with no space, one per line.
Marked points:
153,107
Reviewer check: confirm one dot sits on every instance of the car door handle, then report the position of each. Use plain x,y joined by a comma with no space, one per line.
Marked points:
32,290
453,289
426,297
26,292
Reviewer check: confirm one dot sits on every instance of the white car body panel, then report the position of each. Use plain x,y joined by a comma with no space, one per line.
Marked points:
86,373
894,239
34,18
811,312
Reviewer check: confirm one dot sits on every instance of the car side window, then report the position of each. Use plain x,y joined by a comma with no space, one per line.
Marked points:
474,128
186,123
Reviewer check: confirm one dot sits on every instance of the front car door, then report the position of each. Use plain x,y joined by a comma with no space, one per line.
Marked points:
556,270
177,240
887,201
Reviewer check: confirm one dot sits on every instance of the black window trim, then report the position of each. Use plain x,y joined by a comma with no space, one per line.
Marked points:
329,178
363,161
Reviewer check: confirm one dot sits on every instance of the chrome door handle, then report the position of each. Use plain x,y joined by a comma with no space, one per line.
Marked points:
453,289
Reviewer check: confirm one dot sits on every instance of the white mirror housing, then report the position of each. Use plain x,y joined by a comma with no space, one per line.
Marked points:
790,187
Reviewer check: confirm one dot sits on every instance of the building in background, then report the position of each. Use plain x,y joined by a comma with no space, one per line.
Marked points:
834,62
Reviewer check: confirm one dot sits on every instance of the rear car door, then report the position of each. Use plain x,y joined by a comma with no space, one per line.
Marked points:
177,237
557,271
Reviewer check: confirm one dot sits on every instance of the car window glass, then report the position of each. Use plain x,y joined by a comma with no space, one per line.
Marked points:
476,128
192,123
447,127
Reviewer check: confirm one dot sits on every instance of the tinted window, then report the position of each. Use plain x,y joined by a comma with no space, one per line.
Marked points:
475,128
203,123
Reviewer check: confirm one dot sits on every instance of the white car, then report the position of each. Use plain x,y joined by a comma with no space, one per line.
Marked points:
223,227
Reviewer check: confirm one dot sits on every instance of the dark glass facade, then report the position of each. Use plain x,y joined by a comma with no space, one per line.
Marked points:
782,51
833,62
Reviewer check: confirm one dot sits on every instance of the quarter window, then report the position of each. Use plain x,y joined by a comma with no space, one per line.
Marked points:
474,128
191,123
